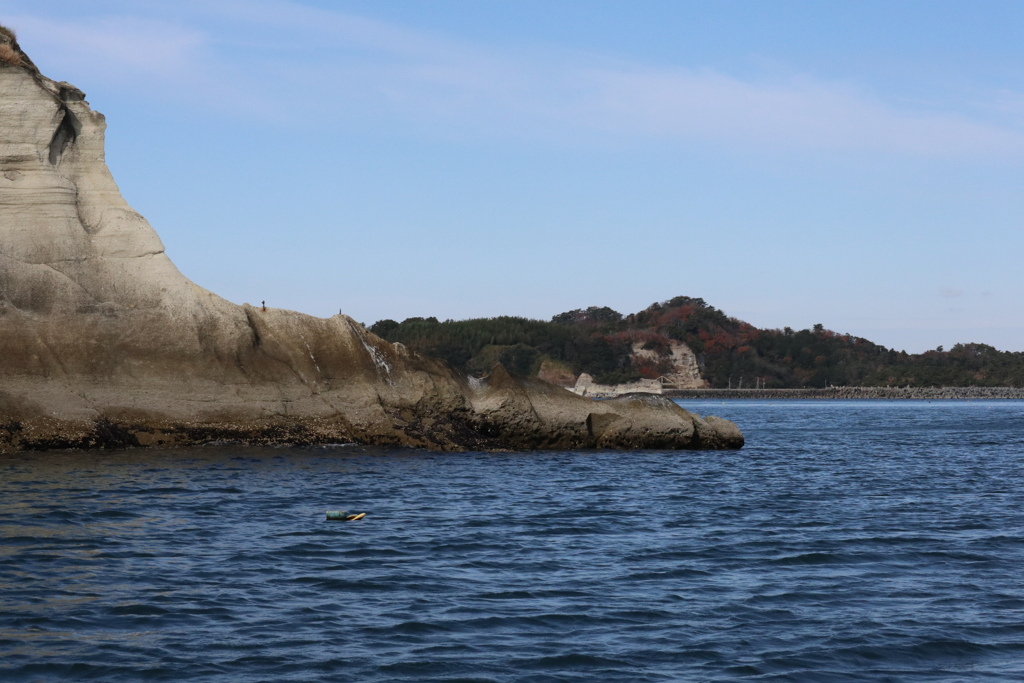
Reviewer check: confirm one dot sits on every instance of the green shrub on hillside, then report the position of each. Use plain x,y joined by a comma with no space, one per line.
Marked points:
730,352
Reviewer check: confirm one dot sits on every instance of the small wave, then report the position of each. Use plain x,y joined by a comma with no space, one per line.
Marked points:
115,514
661,575
420,628
572,660
348,585
809,558
507,595
138,610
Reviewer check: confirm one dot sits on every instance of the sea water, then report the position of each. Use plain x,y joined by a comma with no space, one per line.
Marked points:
848,541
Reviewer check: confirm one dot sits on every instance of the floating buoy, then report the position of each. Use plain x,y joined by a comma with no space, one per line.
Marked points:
343,516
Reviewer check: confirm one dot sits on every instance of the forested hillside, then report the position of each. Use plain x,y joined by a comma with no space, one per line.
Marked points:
730,352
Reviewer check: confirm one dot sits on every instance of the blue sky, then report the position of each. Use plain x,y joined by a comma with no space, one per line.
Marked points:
857,164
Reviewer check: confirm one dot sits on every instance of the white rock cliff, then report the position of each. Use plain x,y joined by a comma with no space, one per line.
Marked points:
104,343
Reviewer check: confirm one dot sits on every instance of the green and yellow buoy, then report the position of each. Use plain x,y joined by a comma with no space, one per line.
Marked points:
343,516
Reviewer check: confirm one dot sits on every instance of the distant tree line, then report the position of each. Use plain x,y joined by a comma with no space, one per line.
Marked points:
730,352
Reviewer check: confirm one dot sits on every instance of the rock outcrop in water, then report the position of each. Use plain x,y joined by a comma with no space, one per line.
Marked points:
104,343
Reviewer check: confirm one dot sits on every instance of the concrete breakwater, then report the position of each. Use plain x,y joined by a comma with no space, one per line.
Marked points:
920,393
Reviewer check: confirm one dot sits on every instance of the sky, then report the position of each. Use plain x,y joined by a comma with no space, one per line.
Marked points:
854,164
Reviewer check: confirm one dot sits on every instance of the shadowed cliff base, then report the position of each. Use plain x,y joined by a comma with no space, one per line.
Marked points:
104,343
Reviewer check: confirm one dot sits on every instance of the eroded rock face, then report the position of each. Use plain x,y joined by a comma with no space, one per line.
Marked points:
104,343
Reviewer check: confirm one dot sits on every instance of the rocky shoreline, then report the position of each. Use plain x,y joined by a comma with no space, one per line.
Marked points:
892,393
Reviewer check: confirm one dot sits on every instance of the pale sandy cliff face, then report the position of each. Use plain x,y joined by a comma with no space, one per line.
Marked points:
104,342
685,372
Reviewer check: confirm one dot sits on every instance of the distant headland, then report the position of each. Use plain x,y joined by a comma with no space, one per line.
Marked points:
686,345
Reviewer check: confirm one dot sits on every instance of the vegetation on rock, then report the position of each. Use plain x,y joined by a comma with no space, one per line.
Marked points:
9,52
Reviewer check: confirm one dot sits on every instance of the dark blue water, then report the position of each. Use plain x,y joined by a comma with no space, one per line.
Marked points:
849,541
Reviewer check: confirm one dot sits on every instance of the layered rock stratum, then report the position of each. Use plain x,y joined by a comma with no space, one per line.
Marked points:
103,342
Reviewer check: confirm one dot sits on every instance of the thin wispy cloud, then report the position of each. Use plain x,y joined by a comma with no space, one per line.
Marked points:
307,63
689,104
167,62
120,44
291,24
